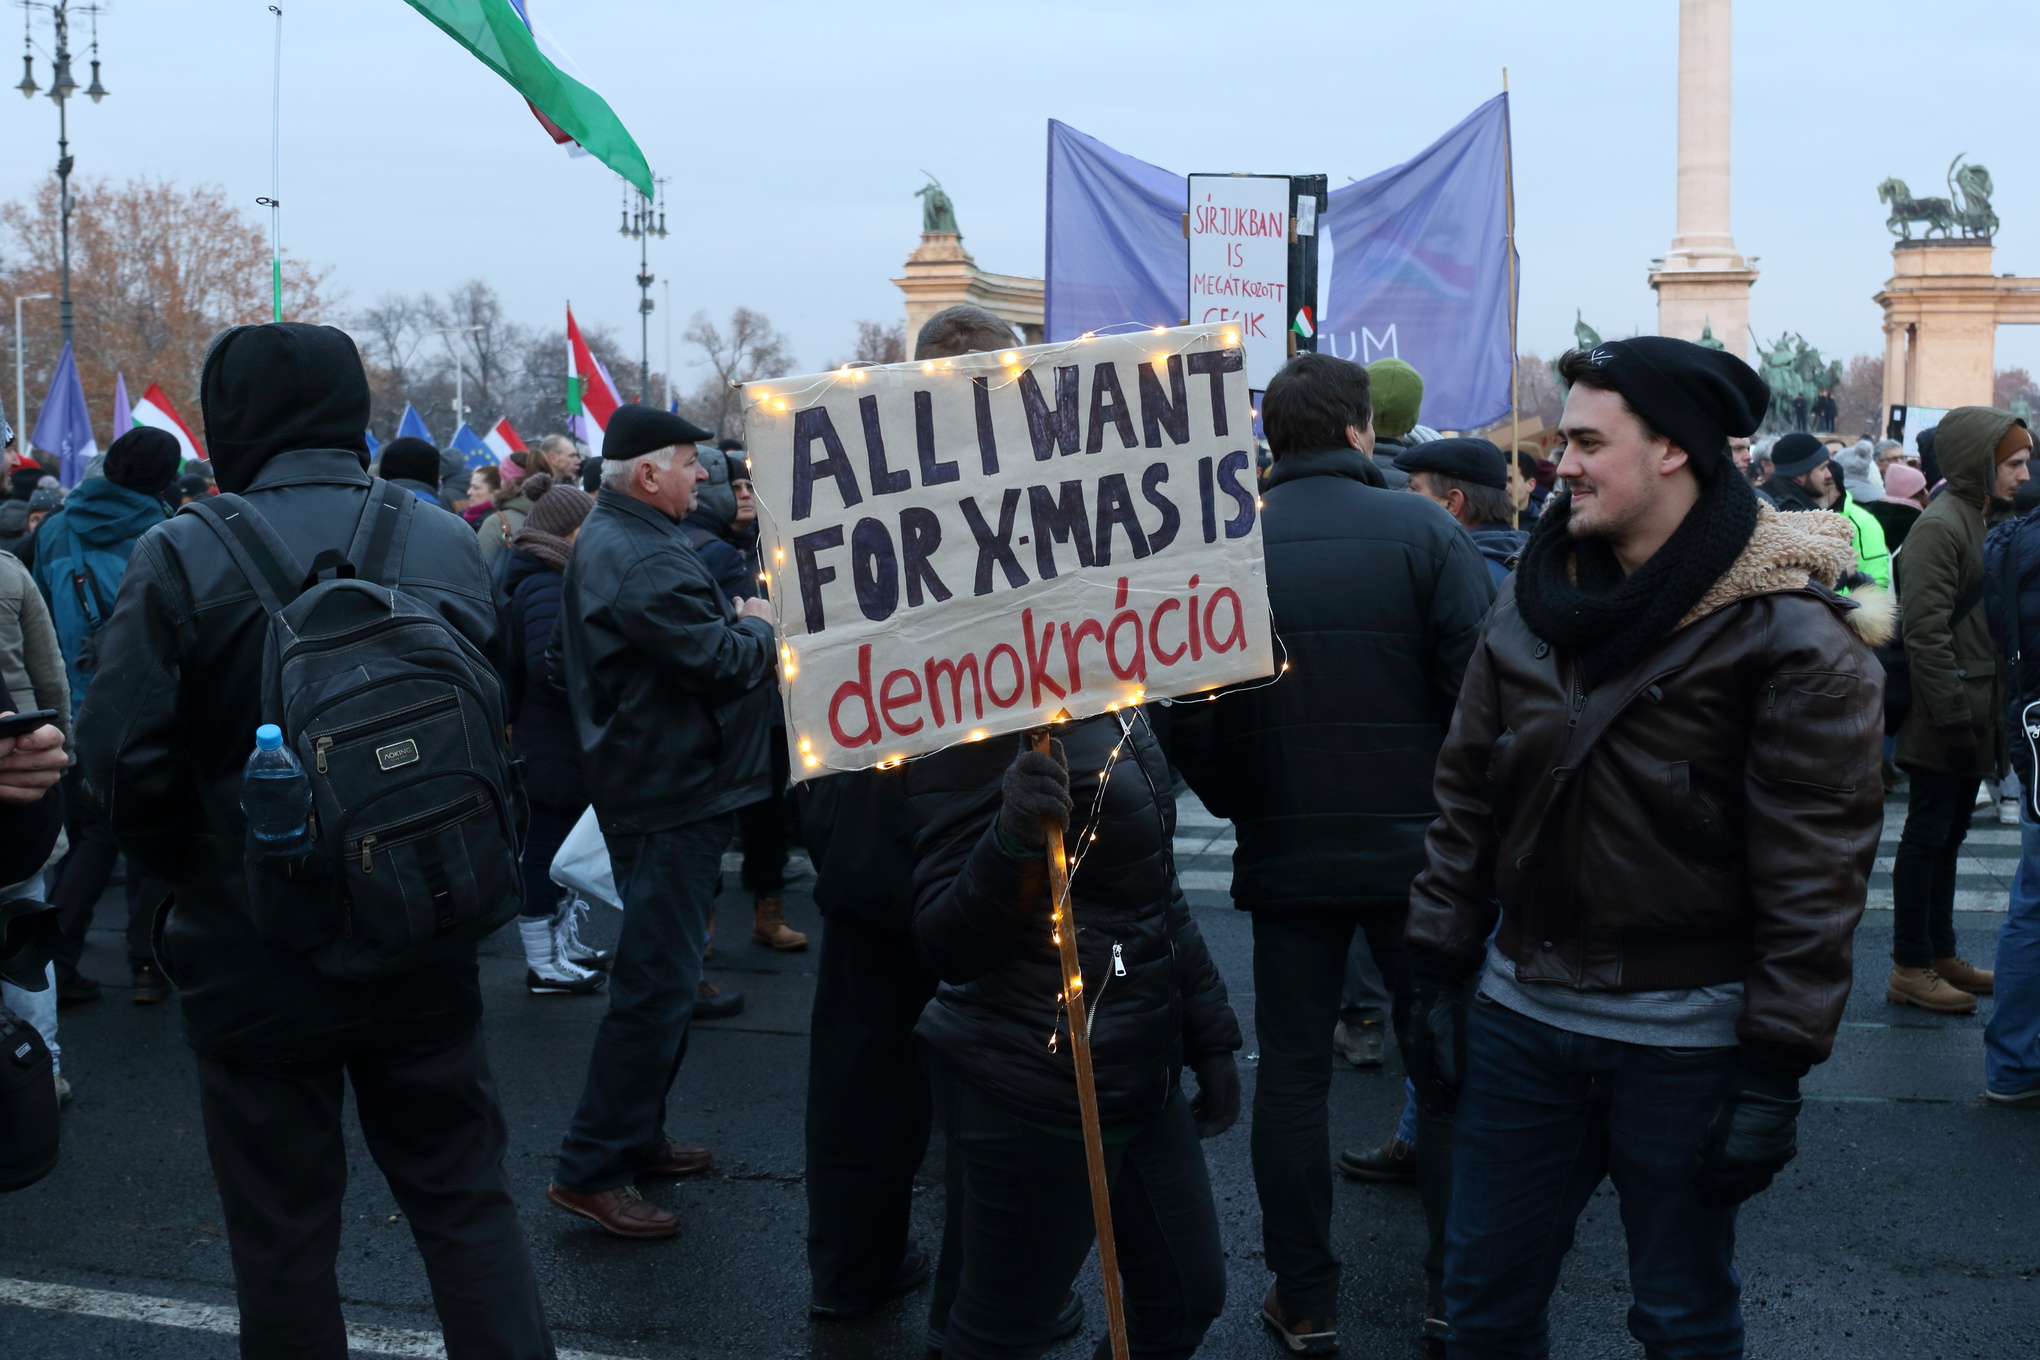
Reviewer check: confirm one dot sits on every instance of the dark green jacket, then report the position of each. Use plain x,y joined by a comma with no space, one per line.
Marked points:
1956,680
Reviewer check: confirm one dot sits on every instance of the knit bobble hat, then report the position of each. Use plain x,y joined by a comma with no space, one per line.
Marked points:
559,511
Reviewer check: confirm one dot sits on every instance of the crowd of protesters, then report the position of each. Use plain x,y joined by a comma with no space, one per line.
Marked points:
1594,851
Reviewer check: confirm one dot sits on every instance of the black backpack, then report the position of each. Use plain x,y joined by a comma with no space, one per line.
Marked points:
418,809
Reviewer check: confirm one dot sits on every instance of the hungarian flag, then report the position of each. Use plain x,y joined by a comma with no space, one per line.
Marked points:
591,397
503,441
500,37
155,411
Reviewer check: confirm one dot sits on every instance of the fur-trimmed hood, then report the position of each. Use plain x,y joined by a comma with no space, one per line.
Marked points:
1791,550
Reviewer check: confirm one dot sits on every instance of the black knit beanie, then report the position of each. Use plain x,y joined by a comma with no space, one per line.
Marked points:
1698,398
144,460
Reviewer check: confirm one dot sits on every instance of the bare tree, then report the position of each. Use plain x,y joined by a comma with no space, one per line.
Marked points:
1859,398
747,350
877,344
1538,392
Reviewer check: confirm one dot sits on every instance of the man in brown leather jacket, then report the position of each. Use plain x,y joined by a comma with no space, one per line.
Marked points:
1662,782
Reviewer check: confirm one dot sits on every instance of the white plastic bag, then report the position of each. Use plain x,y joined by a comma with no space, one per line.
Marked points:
582,865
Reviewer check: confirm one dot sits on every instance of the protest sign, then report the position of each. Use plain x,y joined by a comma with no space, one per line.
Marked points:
979,545
1239,263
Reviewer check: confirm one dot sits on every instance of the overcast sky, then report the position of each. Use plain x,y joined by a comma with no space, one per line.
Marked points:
795,136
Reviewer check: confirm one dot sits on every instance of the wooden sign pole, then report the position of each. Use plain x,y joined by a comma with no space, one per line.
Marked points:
1065,928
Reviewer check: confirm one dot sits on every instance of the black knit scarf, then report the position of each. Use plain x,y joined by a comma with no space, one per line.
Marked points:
1608,620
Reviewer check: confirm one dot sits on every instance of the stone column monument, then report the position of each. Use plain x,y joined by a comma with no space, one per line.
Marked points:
1702,283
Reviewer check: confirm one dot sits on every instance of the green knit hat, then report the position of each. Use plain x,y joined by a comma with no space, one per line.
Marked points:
1398,392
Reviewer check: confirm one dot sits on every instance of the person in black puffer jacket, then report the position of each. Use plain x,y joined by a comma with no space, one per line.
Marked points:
1376,599
998,1044
542,731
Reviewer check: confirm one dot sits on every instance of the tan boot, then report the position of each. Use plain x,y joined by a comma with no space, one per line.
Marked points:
1925,988
1959,973
769,926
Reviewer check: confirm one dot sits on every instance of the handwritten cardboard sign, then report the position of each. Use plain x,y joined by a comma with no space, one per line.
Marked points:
1239,263
976,545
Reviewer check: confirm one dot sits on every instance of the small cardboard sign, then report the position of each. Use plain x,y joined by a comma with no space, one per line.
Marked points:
977,545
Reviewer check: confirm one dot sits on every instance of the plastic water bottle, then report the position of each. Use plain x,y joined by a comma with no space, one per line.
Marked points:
277,797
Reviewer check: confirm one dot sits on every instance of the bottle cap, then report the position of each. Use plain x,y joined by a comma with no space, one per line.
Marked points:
268,737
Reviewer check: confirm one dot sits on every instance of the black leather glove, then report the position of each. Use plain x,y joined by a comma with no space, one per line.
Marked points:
1217,1106
1755,1135
1036,791
1434,1044
1960,746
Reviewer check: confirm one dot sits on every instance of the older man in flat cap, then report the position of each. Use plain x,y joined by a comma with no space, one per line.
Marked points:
1661,783
672,691
1471,480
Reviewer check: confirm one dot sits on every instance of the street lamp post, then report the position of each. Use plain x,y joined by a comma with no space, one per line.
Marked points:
459,370
62,87
20,399
644,220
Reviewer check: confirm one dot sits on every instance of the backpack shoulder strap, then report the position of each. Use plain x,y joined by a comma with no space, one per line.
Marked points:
377,550
261,554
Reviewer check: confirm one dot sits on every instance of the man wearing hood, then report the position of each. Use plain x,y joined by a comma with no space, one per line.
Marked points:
81,554
164,737
1658,812
1953,735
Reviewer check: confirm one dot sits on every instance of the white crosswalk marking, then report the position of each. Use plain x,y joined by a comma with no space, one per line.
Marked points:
205,1317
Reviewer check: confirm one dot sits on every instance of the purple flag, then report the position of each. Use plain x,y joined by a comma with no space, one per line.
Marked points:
1420,270
63,426
1412,262
123,414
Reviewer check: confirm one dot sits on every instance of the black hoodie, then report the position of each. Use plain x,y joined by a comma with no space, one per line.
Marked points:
286,385
166,728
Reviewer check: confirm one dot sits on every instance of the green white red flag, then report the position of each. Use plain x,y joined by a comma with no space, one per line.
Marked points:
591,397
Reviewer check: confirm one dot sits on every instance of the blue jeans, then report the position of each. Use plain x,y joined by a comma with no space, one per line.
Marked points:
2011,1041
668,882
1544,1115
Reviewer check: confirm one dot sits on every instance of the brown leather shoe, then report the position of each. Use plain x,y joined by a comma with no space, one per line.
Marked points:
1300,1336
621,1211
1925,988
1964,976
769,926
675,1160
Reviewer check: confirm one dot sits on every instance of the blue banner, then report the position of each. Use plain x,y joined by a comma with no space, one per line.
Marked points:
1412,263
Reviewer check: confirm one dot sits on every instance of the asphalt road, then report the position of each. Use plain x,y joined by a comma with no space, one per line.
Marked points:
1906,1229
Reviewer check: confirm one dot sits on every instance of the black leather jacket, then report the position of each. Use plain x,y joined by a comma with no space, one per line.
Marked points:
673,695
165,733
1156,1001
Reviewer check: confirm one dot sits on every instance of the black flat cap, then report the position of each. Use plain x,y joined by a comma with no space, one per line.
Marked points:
1470,460
1795,455
635,431
1698,398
